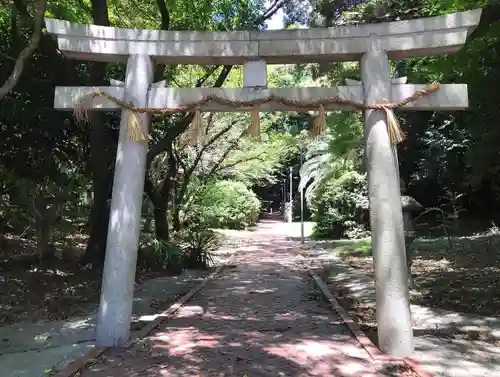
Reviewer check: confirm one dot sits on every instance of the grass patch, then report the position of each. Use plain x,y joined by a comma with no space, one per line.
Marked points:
352,247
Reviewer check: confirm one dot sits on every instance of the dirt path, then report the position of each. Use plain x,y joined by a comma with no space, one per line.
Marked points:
260,318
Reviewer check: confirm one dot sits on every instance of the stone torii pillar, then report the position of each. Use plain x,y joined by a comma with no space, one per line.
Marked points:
394,325
117,293
393,312
372,44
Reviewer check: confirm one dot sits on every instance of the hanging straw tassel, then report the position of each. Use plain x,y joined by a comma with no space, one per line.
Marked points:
319,124
135,131
396,134
83,106
254,129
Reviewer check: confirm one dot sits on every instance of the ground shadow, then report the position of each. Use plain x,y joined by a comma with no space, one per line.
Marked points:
263,318
445,341
460,274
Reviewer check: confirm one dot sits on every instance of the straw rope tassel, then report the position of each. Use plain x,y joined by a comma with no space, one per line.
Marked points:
135,131
254,129
319,125
396,134
83,106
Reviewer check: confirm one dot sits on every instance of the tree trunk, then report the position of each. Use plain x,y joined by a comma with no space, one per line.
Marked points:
176,219
47,211
99,218
161,223
102,184
160,203
13,79
148,222
148,216
99,215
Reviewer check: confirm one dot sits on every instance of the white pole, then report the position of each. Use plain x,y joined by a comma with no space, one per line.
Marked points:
290,218
301,196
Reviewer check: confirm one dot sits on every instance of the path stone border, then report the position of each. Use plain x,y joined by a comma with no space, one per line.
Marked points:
73,368
371,349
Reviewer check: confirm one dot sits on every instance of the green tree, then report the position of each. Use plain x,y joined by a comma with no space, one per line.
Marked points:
51,142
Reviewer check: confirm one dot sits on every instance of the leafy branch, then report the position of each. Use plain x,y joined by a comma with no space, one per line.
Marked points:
13,79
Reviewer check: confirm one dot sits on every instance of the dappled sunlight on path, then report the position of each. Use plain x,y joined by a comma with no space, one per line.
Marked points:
260,318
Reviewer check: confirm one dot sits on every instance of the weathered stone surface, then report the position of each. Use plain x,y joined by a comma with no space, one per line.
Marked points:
448,97
410,204
255,73
395,335
401,39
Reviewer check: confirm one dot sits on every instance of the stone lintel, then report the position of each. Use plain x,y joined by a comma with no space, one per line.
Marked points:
113,82
397,80
448,97
401,39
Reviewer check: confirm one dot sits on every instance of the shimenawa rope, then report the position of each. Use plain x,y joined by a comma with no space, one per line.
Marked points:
136,132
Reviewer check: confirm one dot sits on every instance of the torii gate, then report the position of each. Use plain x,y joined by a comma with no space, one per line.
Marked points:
373,45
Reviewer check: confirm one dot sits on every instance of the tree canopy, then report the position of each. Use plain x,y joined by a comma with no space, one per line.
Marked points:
50,152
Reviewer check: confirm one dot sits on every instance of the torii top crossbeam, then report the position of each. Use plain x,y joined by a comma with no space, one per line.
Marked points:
401,39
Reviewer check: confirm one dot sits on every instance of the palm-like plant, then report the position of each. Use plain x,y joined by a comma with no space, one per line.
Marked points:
330,158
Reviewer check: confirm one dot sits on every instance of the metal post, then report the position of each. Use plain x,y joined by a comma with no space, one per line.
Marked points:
291,195
301,196
283,198
284,191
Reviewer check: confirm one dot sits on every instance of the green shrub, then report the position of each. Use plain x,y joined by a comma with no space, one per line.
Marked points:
226,204
337,207
155,254
189,248
197,246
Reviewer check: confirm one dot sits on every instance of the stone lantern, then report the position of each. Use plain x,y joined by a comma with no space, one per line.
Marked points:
410,207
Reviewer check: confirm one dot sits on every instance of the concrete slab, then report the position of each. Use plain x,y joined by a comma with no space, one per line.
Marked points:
24,337
38,363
